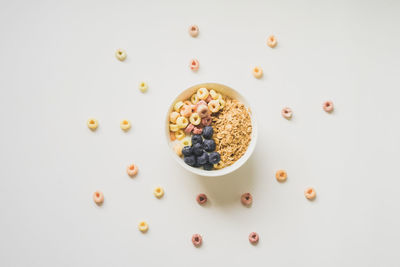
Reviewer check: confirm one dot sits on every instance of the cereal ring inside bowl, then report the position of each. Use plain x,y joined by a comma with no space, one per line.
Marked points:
202,93
203,111
214,106
194,99
186,110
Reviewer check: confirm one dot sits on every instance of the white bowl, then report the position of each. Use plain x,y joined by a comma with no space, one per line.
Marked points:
226,91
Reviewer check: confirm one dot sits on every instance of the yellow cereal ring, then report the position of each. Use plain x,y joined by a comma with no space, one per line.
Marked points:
92,124
143,87
182,122
173,127
120,54
180,134
143,227
257,72
158,192
214,106
178,106
178,149
125,125
221,103
214,95
195,119
187,142
173,116
202,93
194,99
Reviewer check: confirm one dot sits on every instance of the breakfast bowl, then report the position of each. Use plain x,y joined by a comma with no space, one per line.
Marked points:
233,134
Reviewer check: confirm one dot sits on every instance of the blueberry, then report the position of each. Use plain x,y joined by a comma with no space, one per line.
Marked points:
208,166
190,160
209,145
197,164
208,132
187,151
198,149
197,139
214,157
203,159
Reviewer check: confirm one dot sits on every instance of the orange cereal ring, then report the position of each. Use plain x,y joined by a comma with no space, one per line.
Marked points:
310,193
281,175
132,170
271,41
194,30
98,197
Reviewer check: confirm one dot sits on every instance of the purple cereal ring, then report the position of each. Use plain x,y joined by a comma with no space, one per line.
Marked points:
197,240
209,98
253,238
247,199
197,130
189,128
201,199
206,121
203,111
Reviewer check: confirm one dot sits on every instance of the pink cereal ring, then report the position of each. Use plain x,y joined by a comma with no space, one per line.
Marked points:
209,98
132,170
201,199
287,113
194,30
201,102
246,199
328,106
253,238
197,130
206,121
186,111
98,197
197,240
189,128
203,111
194,64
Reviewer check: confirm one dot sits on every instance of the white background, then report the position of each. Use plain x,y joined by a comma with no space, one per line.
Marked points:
57,69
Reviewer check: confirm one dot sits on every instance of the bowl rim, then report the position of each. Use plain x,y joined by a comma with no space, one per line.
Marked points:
239,162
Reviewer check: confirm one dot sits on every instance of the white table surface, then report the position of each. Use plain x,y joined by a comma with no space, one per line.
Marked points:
58,69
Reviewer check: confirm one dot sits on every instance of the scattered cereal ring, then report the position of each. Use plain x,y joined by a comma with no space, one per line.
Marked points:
178,106
159,192
187,142
221,103
172,136
197,130
253,238
98,197
247,199
194,99
257,72
202,93
194,64
132,170
197,240
120,54
193,30
173,116
201,199
178,149
189,128
143,87
125,125
310,193
271,41
92,124
186,110
203,111
214,94
182,122
208,99
143,227
281,175
195,119
213,106
328,106
206,121
173,127
180,134
287,113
